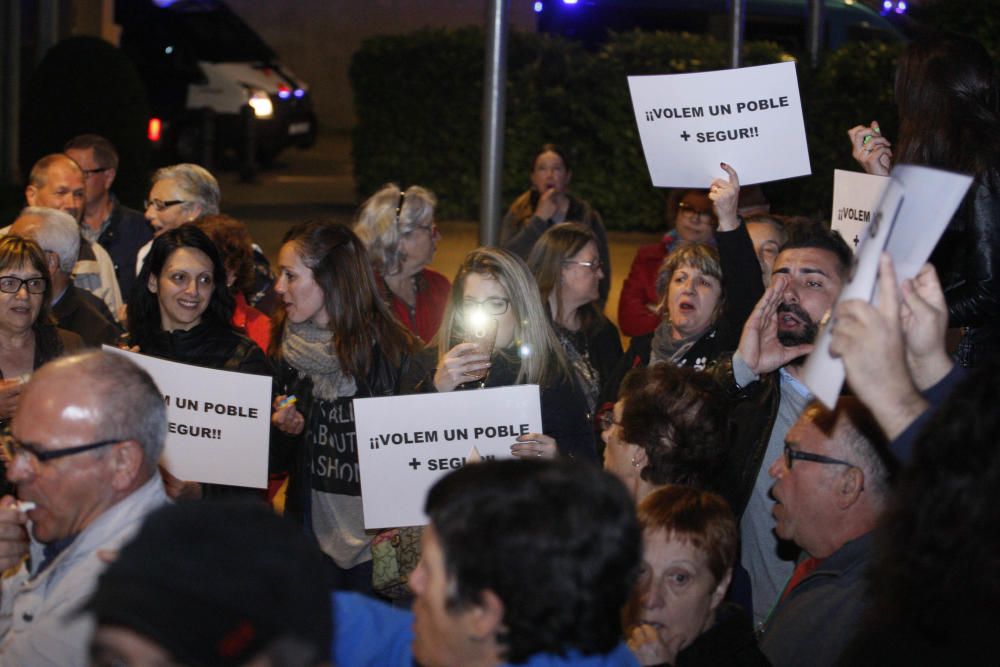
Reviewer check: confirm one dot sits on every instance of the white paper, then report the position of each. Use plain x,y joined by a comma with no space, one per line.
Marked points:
855,198
229,414
750,118
406,443
917,206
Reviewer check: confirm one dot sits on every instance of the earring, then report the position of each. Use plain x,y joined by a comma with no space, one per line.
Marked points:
635,464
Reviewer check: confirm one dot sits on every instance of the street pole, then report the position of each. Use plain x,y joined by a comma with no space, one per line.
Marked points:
737,22
814,37
494,85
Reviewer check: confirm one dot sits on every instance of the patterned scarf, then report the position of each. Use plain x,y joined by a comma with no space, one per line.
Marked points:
309,349
665,349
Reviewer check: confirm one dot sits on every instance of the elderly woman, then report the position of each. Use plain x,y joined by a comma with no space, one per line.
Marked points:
548,202
179,193
28,335
494,291
398,229
677,615
567,266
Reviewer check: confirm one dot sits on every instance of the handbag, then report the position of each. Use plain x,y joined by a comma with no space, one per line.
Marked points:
395,554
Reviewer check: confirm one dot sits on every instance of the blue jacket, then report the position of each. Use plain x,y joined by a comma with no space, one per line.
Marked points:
369,633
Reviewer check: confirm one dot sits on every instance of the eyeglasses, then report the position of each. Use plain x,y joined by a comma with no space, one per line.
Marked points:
494,306
431,229
594,265
793,454
87,173
12,284
11,448
607,419
687,207
161,205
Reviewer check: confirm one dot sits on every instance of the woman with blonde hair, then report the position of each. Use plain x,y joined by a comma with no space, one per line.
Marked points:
494,290
397,226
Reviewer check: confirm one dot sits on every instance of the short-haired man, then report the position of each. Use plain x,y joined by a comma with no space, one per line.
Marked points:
75,309
830,486
56,181
84,446
120,230
523,562
764,380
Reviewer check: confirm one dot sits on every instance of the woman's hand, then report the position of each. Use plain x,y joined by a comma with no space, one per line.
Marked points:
725,196
651,647
287,419
549,204
872,151
10,391
178,489
534,445
461,364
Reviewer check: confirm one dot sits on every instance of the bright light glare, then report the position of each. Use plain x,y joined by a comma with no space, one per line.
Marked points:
569,2
299,92
154,129
538,6
524,351
261,103
168,50
476,319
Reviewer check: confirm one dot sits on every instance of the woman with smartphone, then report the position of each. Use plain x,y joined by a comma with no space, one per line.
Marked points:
949,118
567,267
495,297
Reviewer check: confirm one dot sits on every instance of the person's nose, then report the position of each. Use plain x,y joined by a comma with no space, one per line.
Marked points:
790,293
281,285
19,469
688,286
652,597
192,287
777,468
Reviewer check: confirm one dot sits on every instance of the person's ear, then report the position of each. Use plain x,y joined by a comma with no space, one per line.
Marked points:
31,194
152,284
109,177
486,617
52,261
126,460
849,487
639,457
719,594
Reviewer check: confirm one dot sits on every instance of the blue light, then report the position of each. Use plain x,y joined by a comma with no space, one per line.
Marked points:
284,94
900,7
299,92
538,7
887,4
569,2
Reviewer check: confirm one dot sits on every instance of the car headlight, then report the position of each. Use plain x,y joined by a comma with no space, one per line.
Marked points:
261,104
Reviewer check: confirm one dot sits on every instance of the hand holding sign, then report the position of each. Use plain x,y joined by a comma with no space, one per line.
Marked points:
534,445
725,196
924,319
872,151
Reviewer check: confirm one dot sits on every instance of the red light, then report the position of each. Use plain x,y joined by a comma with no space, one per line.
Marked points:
153,132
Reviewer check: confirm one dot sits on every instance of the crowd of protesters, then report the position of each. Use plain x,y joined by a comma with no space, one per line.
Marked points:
736,520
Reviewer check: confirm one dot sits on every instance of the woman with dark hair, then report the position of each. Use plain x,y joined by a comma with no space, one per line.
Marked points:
548,202
493,287
567,266
334,339
677,615
947,96
28,334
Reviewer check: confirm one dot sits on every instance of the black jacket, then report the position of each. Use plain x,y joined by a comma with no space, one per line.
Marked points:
127,231
84,314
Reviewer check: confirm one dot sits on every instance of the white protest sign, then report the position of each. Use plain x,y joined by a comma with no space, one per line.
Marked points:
918,204
406,443
218,421
855,196
749,118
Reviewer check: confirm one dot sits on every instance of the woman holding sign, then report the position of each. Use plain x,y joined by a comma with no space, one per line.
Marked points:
334,339
949,118
496,333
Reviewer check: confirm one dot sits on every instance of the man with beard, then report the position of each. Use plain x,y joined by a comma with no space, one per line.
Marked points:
764,380
56,181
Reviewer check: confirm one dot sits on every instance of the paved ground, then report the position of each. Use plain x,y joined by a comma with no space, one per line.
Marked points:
319,183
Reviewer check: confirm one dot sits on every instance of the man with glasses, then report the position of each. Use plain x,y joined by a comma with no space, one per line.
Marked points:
83,451
119,229
831,484
56,181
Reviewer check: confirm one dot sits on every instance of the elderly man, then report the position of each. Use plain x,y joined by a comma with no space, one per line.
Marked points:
83,449
56,181
118,229
830,487
763,379
75,309
524,562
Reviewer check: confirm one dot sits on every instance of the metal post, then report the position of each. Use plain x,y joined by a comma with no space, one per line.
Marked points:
48,27
814,36
737,23
10,91
494,84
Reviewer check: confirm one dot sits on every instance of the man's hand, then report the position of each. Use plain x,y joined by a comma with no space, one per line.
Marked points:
759,344
13,534
924,320
871,150
725,196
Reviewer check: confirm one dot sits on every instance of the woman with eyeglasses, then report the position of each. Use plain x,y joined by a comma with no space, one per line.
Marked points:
495,292
548,202
397,226
567,267
28,334
334,339
182,310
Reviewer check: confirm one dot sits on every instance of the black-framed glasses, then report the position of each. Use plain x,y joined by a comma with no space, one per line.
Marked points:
12,284
593,265
87,173
11,448
793,454
161,205
493,306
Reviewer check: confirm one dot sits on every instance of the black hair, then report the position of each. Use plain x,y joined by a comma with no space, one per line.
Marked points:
551,148
557,541
821,238
144,306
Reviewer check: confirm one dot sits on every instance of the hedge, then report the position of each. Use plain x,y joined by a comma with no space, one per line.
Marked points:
419,97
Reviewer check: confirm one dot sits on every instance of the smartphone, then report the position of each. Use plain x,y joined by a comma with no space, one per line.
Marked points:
484,335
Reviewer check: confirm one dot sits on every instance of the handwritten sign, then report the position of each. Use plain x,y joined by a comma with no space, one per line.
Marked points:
406,443
218,421
917,206
855,198
750,118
